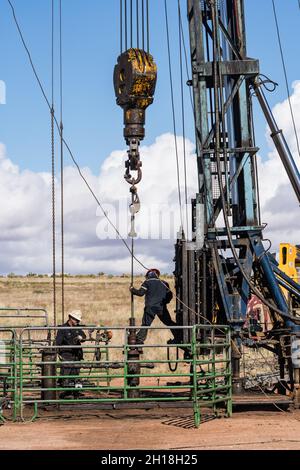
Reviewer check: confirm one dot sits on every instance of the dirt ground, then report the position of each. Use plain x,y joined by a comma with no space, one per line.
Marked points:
155,429
130,430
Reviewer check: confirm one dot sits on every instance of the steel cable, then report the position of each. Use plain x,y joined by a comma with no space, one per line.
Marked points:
53,171
227,224
272,307
131,24
77,165
286,76
186,61
126,28
183,117
143,24
148,27
137,25
121,26
62,169
173,113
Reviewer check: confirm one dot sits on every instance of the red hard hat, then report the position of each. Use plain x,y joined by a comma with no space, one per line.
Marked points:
157,271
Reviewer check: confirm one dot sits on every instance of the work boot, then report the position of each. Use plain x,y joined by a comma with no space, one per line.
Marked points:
65,394
78,395
172,341
187,355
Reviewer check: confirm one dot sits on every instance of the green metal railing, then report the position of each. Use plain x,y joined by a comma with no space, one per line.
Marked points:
8,374
49,375
25,313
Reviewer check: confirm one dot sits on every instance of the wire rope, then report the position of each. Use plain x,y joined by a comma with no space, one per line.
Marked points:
137,25
121,26
186,61
143,24
227,223
173,113
62,208
183,117
285,76
53,168
87,183
126,26
148,27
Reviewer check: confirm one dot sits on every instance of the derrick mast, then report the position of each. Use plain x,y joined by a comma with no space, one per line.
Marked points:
225,260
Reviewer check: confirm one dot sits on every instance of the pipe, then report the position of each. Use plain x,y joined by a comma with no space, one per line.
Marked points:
49,375
286,286
287,279
279,141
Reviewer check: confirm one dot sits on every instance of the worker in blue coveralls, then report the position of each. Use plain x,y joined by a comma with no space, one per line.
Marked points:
157,296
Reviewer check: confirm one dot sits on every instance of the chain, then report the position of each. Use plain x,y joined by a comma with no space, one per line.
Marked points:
133,163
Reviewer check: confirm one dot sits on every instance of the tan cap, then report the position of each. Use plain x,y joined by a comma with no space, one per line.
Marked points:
76,314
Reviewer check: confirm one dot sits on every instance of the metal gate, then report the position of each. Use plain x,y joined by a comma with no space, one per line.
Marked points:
111,372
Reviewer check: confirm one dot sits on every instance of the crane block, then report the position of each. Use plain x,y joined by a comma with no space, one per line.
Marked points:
135,78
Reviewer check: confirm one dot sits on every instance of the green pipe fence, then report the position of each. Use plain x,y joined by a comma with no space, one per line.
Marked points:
8,375
112,371
25,313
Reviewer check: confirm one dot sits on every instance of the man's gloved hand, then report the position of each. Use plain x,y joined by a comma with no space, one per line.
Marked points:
79,339
109,334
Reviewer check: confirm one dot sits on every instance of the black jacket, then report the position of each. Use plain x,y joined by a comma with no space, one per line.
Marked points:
156,292
69,337
169,295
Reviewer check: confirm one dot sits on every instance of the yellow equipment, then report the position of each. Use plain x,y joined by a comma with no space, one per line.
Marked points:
289,260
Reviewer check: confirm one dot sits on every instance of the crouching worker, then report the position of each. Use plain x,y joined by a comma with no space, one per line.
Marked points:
73,335
157,295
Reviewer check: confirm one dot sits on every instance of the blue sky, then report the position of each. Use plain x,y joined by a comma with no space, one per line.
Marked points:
93,122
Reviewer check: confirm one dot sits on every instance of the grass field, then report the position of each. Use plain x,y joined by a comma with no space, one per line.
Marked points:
104,300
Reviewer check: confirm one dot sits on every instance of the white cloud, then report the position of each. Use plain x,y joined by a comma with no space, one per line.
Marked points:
25,218
280,208
25,212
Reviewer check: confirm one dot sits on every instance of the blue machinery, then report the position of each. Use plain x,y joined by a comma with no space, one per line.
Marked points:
225,262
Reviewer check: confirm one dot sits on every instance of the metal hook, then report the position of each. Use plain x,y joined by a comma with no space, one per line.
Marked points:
131,180
134,208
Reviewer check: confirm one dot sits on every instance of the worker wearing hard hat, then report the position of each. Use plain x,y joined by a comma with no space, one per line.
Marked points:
72,335
157,295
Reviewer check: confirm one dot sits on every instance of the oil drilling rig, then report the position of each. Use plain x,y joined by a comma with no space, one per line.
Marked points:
225,262
219,270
